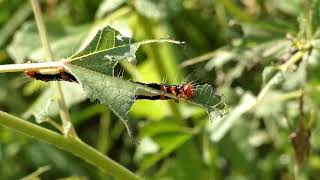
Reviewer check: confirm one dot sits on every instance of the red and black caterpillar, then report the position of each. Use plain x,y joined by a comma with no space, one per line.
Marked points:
185,91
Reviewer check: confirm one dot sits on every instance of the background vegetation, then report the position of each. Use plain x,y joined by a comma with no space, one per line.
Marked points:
262,55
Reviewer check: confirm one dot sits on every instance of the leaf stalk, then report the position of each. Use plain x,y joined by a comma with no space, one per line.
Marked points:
71,145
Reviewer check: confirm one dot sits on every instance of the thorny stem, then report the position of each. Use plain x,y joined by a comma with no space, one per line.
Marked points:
63,110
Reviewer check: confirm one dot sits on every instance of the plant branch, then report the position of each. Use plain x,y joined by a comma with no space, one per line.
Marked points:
30,66
72,145
63,110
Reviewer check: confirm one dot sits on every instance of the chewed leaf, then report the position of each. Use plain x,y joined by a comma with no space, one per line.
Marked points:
116,93
213,102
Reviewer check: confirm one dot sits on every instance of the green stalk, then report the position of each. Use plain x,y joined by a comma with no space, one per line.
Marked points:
30,66
103,142
41,28
63,110
37,173
233,9
72,145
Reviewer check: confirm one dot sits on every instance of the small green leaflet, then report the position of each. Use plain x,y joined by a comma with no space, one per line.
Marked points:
94,65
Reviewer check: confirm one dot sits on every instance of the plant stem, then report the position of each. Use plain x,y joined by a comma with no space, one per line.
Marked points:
63,110
72,145
67,126
103,142
294,59
30,66
41,28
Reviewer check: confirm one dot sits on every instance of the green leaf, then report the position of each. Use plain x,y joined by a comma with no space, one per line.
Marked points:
223,125
277,79
63,41
45,107
269,72
245,56
315,15
292,7
187,164
164,136
213,102
158,9
15,21
93,68
116,93
107,6
104,51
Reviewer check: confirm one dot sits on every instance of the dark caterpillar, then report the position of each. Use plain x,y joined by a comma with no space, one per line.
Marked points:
185,91
59,76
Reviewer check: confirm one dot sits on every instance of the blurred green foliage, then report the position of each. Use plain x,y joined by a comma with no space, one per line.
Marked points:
238,46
